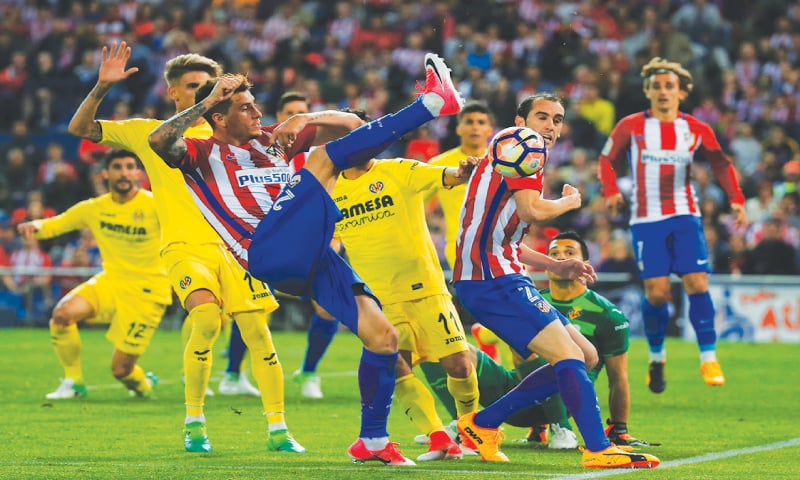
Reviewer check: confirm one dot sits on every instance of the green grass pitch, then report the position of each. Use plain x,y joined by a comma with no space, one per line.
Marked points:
746,429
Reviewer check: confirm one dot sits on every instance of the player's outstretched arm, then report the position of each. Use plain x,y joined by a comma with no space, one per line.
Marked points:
167,139
331,124
453,176
571,268
113,61
532,207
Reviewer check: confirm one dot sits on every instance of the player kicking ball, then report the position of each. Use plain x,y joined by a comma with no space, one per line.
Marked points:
279,224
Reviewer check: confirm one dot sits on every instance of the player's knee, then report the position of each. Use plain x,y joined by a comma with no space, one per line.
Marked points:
657,297
384,341
62,317
590,357
121,370
457,365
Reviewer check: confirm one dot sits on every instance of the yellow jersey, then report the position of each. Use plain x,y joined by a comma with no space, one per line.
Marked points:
181,220
451,201
127,235
384,230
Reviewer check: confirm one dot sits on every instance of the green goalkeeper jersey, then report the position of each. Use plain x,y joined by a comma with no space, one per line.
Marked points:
599,320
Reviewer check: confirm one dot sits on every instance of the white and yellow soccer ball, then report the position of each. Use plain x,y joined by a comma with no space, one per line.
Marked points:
517,152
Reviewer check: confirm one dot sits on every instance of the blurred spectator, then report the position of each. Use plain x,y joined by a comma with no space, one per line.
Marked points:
791,178
19,174
12,80
34,209
746,148
36,290
760,207
21,139
620,258
772,255
55,163
730,260
82,252
422,147
705,187
782,146
597,110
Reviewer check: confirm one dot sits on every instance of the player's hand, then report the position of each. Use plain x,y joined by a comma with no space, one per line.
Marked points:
112,64
614,203
572,195
574,269
27,229
286,133
739,215
466,166
224,89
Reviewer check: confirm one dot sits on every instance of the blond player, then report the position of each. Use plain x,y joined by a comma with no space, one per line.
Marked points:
200,268
384,232
130,294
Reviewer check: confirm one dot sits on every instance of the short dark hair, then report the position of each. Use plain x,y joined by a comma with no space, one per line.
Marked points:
222,106
291,96
573,235
475,107
526,105
119,153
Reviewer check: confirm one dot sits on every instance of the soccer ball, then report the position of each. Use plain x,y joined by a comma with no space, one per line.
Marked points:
517,152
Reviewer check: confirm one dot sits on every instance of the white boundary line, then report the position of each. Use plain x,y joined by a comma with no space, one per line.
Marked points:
688,461
356,469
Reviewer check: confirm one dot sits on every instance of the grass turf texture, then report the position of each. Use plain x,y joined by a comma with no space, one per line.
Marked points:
110,435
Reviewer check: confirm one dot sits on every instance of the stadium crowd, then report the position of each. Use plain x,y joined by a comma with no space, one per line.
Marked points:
744,56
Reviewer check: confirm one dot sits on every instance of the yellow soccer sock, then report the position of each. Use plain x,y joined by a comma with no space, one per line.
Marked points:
137,381
186,330
267,369
67,343
418,404
464,392
198,355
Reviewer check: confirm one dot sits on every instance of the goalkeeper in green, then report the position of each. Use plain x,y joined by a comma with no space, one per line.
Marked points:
599,320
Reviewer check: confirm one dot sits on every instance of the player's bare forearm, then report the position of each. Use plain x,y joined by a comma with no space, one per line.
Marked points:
167,139
83,123
453,176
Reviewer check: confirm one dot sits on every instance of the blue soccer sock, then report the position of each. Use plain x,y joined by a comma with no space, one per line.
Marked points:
535,388
236,350
365,142
580,398
320,335
655,325
376,378
701,315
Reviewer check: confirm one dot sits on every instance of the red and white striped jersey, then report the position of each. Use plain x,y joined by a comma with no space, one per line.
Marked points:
490,230
234,186
660,156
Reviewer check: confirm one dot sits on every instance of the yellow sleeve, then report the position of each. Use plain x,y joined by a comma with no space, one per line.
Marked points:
128,134
72,219
418,176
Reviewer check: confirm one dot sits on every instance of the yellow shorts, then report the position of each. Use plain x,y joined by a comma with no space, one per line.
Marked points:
429,327
131,311
211,267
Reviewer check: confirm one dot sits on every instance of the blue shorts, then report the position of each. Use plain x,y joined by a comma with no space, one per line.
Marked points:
511,307
290,250
675,245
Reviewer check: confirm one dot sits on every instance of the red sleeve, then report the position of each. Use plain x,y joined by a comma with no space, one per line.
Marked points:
613,155
193,147
303,142
721,165
532,182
